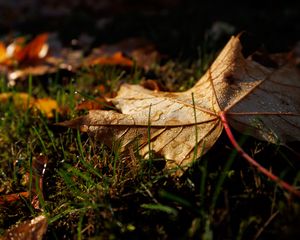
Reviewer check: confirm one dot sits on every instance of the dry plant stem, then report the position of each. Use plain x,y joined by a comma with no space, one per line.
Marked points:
254,163
271,218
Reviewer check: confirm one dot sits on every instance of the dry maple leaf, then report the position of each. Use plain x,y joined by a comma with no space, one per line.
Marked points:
251,97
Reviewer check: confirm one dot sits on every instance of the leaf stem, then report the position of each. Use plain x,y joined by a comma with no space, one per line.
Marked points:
149,132
196,129
254,163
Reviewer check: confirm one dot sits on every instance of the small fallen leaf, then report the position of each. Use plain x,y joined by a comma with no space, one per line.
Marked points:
23,100
46,106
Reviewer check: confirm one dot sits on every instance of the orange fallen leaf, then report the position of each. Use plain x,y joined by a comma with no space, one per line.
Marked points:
97,103
3,55
116,59
13,197
34,50
140,50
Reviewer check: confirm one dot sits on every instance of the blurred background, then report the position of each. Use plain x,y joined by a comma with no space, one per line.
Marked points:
177,27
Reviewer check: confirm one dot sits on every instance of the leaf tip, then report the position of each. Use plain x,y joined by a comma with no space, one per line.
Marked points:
77,123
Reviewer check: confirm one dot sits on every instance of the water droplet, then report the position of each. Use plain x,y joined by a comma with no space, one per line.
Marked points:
174,144
156,116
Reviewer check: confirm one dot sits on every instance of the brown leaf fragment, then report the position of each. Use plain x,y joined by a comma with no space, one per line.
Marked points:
146,56
116,59
152,85
97,103
8,198
33,229
258,99
23,73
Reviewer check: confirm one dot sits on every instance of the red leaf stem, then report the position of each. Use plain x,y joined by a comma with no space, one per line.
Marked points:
254,163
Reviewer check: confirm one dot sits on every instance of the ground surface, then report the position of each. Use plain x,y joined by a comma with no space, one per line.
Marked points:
92,191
